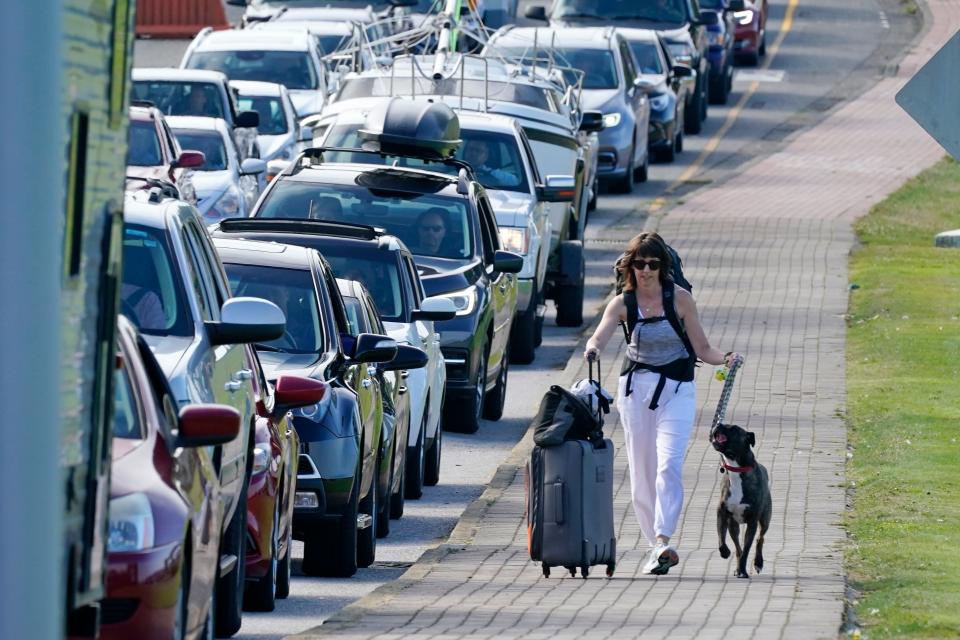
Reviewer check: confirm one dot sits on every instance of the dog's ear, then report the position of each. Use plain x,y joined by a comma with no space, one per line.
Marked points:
751,440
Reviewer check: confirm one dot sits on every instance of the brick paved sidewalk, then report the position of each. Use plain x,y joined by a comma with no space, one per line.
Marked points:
768,254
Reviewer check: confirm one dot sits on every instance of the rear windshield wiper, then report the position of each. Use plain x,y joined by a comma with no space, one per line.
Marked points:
267,347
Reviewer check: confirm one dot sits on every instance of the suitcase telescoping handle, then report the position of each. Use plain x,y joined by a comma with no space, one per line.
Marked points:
727,390
593,358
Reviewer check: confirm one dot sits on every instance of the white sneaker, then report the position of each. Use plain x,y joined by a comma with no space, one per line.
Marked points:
660,559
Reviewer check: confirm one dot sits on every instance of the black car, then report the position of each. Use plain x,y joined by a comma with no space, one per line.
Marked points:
449,226
337,504
680,23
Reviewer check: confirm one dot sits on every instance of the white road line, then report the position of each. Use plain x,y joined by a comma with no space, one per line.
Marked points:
883,20
759,75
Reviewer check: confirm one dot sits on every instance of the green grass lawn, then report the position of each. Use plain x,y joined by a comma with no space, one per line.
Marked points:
903,405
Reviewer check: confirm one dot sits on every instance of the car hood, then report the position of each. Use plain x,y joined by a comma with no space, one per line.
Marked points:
513,208
306,101
291,364
597,99
169,351
211,183
441,276
272,145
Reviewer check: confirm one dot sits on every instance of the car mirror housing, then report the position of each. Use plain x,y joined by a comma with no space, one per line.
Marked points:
645,84
293,392
204,425
408,357
682,71
536,12
557,189
248,119
245,320
305,134
437,309
190,160
507,262
374,348
591,121
252,166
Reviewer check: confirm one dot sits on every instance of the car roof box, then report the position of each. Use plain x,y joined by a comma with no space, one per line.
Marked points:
415,128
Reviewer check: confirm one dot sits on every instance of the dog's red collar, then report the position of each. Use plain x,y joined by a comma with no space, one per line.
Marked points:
737,469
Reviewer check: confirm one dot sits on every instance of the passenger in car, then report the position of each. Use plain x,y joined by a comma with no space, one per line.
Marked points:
142,307
477,153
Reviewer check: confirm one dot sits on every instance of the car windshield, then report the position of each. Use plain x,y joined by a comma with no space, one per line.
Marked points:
152,294
290,289
495,157
126,419
273,120
430,224
209,142
329,44
514,92
653,10
647,56
354,315
292,69
377,270
143,144
598,66
175,98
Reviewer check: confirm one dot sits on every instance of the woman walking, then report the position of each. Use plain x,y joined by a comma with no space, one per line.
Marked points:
656,395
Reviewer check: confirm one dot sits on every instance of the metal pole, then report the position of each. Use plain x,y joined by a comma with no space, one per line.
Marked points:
31,161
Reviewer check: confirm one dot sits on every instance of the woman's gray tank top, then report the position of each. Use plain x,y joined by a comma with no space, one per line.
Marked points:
654,342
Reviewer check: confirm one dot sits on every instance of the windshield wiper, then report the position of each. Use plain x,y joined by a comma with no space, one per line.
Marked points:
592,16
267,347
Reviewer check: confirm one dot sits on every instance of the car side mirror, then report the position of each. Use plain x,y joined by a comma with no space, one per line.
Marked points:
305,134
736,5
436,309
536,12
374,348
293,392
557,189
408,357
252,166
189,160
250,119
682,71
507,262
205,425
245,320
591,121
709,18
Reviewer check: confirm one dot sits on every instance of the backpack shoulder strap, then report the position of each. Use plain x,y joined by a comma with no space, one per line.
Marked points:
670,311
633,314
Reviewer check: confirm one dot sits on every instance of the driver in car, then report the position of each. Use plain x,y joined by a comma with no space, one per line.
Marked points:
431,230
477,154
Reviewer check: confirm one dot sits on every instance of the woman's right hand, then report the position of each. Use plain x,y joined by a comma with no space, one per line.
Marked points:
591,353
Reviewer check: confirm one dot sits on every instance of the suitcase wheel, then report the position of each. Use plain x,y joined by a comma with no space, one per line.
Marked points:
573,571
610,569
584,572
546,571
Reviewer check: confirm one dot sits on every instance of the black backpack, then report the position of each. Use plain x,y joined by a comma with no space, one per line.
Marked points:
563,416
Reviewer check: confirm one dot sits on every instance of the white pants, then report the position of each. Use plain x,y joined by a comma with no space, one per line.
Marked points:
656,442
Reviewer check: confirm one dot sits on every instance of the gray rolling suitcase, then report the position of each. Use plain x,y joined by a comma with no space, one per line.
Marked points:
570,506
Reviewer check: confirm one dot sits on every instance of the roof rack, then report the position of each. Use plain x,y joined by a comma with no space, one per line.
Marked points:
315,156
297,225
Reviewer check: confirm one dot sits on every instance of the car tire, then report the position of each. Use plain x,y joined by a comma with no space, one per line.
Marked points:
692,120
720,89
497,398
416,461
383,501
468,414
331,550
230,588
678,145
668,153
183,597
538,326
367,537
261,594
569,297
625,184
752,59
285,569
432,470
523,335
762,49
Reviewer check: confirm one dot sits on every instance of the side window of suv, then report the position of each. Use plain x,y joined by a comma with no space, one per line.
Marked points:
200,280
488,226
221,287
626,57
418,292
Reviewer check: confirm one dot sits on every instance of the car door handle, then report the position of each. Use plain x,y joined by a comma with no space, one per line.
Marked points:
402,390
366,383
233,386
244,374
404,374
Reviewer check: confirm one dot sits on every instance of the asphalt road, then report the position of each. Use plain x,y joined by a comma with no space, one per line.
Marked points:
832,51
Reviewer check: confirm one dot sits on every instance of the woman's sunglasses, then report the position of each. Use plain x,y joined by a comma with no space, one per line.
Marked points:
638,264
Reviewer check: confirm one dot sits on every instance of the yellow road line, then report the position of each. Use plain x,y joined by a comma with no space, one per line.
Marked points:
714,142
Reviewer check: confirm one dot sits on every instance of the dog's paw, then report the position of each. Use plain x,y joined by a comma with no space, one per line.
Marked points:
724,551
758,566
741,574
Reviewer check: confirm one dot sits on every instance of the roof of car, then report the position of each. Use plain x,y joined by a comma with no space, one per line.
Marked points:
468,119
173,75
254,40
638,35
198,123
315,27
349,288
144,113
263,254
325,14
139,209
346,174
322,232
583,37
256,88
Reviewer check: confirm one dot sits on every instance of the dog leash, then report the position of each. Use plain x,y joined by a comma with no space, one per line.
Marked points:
729,377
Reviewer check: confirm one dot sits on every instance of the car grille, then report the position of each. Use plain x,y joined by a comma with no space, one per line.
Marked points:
607,160
117,610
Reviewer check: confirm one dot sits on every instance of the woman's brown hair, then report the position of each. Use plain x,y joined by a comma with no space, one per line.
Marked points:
646,245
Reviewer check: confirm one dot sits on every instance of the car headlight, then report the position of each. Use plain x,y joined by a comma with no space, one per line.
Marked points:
131,523
515,239
465,301
660,102
611,120
682,53
743,17
261,457
716,38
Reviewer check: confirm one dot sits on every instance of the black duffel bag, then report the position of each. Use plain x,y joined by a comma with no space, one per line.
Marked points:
564,416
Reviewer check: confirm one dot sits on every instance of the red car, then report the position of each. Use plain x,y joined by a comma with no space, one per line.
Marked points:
272,488
751,31
165,508
153,153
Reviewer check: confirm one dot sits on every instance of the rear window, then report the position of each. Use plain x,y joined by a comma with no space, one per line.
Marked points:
378,271
514,92
152,295
143,145
176,98
209,142
292,69
273,120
